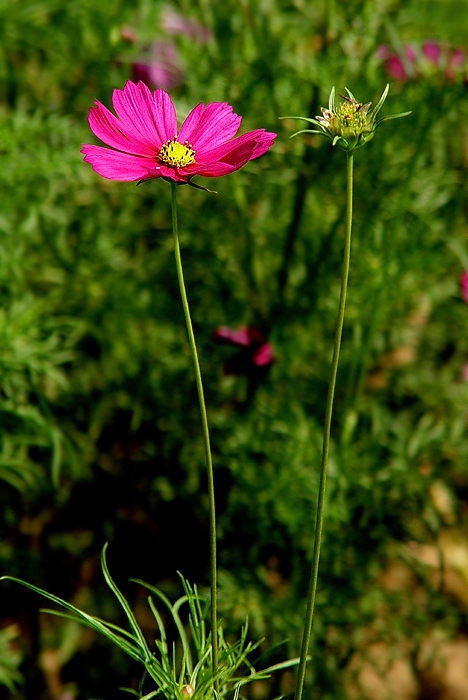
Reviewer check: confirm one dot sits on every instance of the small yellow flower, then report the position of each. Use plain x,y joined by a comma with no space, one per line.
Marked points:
351,124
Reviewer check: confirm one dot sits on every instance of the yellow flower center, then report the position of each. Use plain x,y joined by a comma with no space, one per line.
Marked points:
175,154
352,116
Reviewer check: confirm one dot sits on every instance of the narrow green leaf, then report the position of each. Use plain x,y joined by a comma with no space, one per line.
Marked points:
82,617
391,116
311,120
174,614
308,131
126,607
150,695
162,643
283,664
110,625
379,104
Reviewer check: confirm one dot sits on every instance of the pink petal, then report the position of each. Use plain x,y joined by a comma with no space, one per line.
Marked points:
174,174
208,169
263,356
210,126
233,337
113,133
232,155
146,116
123,167
238,151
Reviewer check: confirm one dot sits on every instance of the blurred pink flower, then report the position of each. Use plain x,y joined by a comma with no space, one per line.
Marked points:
431,50
128,34
413,62
256,351
464,373
464,285
145,142
263,356
173,23
456,63
159,66
397,68
243,336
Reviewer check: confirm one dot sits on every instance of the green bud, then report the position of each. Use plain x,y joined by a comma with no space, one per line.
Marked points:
349,125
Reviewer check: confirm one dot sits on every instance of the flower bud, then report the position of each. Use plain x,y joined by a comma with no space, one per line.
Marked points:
351,124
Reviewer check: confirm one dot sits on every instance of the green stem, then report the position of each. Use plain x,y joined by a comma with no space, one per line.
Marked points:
206,434
326,434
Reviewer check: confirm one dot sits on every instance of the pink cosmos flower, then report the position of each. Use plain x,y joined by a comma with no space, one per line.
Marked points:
145,141
257,353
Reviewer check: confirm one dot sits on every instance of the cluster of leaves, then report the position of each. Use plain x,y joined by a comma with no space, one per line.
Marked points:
181,672
99,431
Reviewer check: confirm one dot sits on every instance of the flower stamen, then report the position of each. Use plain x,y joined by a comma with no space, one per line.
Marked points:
175,154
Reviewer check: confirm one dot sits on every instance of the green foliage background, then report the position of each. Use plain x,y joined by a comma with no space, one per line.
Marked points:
99,427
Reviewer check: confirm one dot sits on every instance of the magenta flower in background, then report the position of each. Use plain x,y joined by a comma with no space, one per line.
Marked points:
159,66
464,285
145,141
263,356
128,34
242,337
256,352
397,67
173,23
432,56
432,51
456,64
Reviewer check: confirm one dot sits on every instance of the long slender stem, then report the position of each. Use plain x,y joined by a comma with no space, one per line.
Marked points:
206,434
326,434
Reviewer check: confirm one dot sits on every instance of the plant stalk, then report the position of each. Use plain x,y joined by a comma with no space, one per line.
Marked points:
206,434
326,434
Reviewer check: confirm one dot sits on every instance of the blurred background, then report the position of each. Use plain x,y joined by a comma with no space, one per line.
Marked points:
100,438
